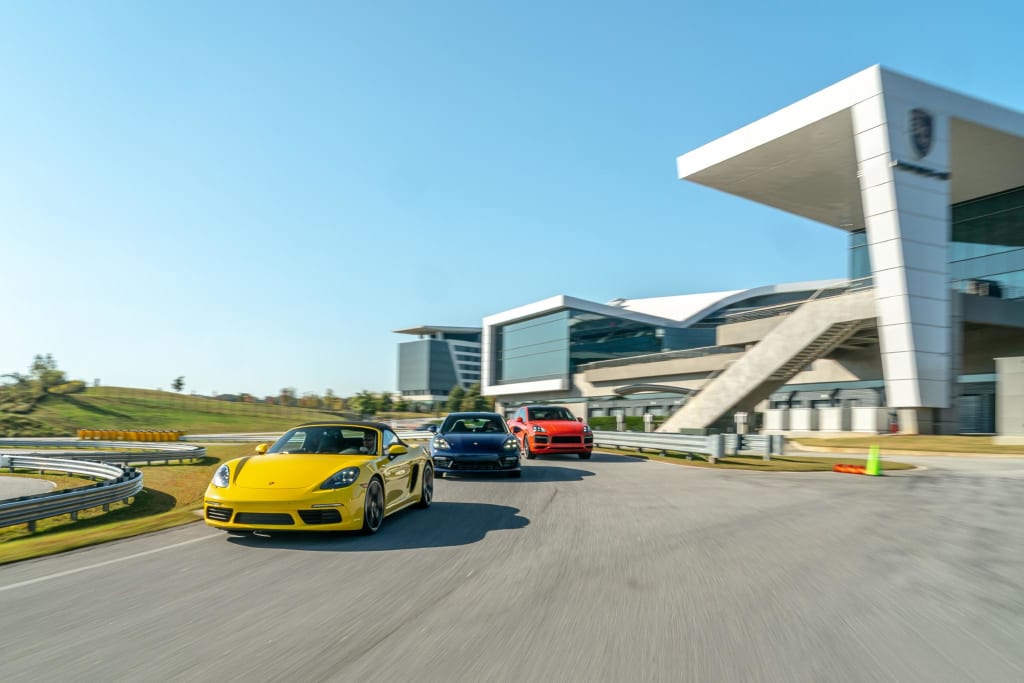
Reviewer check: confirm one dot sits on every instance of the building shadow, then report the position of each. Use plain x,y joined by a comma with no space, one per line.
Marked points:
443,525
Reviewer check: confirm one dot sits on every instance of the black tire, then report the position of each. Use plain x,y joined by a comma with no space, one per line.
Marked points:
373,508
526,449
426,488
585,455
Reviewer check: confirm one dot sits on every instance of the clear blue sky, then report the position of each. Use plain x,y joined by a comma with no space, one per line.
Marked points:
254,195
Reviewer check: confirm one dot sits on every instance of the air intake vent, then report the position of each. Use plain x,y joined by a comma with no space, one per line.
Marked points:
328,516
219,514
264,518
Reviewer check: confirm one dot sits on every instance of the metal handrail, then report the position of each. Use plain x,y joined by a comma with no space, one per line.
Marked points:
119,483
827,292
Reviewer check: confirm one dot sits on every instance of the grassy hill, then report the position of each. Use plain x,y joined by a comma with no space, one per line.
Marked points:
122,408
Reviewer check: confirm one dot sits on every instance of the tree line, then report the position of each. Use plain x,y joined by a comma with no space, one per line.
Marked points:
20,393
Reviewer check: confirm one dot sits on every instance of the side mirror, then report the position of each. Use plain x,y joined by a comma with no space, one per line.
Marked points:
432,429
516,429
396,449
261,449
518,419
579,419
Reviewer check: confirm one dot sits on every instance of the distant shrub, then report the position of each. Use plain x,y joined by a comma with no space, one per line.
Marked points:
72,387
633,423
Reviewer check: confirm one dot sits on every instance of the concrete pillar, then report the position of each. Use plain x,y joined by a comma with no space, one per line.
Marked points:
1010,400
917,420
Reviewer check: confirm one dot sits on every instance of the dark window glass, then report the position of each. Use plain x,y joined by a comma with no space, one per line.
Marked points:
860,260
554,345
987,249
537,348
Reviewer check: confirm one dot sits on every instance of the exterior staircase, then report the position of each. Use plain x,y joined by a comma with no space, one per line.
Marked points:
810,332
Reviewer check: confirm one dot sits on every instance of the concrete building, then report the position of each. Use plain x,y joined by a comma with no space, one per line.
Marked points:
437,361
929,186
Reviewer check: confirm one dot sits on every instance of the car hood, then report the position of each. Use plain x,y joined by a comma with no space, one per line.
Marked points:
290,471
476,443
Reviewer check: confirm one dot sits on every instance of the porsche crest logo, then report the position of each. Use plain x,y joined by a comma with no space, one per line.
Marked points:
922,132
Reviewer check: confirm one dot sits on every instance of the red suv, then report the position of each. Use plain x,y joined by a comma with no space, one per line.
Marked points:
551,429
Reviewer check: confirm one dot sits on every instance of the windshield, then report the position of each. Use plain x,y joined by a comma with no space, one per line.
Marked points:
474,424
329,439
550,414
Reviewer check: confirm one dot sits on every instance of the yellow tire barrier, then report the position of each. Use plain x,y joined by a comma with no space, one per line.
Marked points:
129,434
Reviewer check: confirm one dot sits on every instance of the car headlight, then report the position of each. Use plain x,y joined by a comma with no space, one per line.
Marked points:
222,477
586,429
441,444
511,444
538,428
340,480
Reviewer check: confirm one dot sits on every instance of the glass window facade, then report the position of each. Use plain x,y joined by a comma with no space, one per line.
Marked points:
537,348
987,245
860,260
552,346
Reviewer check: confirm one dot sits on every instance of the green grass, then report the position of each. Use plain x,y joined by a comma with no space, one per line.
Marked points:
171,497
915,443
121,408
778,463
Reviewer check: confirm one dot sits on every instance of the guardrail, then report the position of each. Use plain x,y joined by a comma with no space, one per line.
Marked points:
270,437
131,451
119,483
714,446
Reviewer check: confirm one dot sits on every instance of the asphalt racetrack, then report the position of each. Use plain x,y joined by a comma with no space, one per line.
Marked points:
612,569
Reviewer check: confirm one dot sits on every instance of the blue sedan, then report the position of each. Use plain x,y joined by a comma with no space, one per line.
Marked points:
467,443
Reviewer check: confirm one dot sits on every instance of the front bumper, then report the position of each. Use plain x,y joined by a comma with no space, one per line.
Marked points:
468,463
305,514
546,444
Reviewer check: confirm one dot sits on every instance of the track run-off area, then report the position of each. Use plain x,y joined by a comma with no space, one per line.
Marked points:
612,569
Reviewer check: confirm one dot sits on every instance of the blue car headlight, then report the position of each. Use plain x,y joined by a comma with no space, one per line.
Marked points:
511,444
340,480
441,444
222,477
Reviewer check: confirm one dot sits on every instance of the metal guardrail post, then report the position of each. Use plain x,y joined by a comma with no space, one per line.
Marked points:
766,448
716,447
777,445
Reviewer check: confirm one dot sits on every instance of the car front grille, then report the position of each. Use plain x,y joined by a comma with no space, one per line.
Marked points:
261,518
219,514
327,516
474,466
565,439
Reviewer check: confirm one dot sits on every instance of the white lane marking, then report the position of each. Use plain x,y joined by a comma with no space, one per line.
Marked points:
103,564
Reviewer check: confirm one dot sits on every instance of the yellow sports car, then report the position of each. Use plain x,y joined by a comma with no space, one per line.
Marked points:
324,476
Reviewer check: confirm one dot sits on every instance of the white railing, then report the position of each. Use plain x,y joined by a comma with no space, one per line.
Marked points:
119,483
126,451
